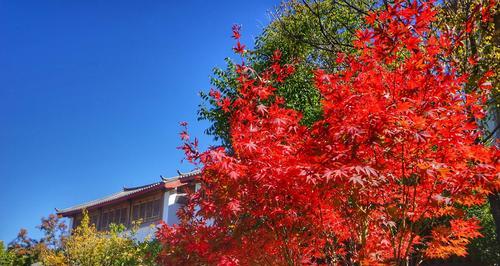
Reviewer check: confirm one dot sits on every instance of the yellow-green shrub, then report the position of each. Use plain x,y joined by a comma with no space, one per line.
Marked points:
88,247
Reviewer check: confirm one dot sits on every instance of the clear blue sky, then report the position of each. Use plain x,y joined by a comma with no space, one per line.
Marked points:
91,94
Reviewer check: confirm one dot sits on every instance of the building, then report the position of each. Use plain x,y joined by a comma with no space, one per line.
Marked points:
148,205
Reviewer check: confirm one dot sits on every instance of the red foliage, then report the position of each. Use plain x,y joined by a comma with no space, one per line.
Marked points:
381,178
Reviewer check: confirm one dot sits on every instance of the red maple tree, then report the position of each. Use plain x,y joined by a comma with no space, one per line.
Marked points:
380,179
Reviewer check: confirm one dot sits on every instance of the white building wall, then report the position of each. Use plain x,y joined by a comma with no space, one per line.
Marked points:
144,233
170,208
165,205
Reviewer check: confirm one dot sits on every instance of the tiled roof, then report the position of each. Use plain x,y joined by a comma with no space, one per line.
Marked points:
128,193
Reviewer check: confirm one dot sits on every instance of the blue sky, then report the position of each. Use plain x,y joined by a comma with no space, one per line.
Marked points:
91,94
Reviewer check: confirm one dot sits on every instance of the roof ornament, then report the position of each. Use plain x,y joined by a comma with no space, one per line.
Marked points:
182,175
194,172
179,173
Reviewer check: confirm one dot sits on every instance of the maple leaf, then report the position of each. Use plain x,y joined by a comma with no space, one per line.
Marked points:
234,206
442,199
421,136
263,92
364,36
253,129
251,146
214,94
261,109
279,121
276,56
184,135
371,18
233,174
239,48
404,107
356,179
412,43
225,104
236,31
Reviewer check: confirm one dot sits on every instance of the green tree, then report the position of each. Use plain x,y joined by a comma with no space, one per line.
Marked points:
309,34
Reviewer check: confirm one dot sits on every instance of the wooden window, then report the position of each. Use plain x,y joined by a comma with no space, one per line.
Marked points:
104,220
135,215
93,219
156,206
113,216
148,210
77,220
123,216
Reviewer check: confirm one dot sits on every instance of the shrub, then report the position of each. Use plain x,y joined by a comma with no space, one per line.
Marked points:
87,246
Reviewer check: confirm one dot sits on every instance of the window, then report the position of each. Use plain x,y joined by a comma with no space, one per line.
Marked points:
147,210
77,220
93,219
113,216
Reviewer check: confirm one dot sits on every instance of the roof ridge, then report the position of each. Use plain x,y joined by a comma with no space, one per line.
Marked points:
139,187
129,191
182,175
89,202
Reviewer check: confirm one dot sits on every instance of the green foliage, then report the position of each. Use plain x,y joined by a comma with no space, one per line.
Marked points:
6,257
308,34
225,81
485,249
313,32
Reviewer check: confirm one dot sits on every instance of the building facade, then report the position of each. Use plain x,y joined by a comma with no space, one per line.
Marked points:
145,206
